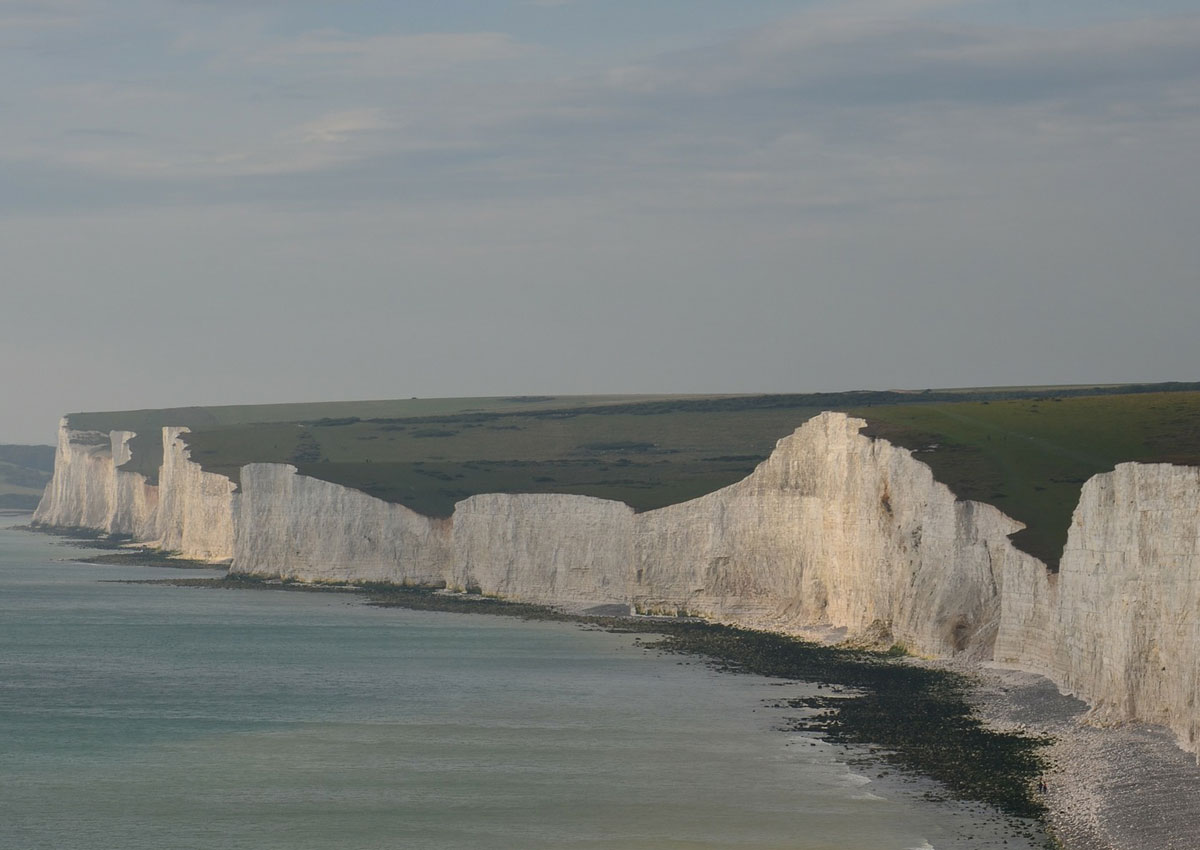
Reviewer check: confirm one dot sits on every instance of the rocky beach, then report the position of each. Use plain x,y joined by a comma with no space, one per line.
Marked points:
1108,788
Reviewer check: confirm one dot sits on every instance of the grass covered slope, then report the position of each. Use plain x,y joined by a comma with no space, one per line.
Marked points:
147,424
1025,450
24,473
1030,457
645,453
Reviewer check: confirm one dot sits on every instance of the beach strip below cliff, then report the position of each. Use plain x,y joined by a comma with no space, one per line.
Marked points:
1109,788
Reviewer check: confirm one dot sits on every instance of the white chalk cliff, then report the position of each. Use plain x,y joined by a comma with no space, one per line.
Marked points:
82,491
574,551
833,530
1119,625
188,511
296,527
834,534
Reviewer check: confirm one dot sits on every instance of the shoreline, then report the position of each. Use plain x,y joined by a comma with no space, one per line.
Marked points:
1109,788
855,779
1094,801
914,720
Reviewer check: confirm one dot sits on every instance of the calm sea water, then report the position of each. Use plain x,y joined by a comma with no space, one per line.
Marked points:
137,716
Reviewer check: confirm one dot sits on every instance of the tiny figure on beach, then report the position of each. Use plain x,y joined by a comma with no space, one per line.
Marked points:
1042,786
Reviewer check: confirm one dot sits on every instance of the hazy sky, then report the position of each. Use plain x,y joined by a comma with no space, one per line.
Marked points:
211,202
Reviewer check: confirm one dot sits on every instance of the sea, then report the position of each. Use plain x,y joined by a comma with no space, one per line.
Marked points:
149,716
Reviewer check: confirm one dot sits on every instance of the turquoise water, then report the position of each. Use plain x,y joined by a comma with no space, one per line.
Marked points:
138,716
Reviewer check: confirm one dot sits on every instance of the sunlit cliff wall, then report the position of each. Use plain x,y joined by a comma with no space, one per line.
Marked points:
296,527
133,501
81,491
833,530
551,549
1119,625
195,508
189,512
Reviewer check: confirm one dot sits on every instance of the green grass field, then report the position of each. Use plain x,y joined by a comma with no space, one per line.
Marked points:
1025,450
1031,457
645,459
147,424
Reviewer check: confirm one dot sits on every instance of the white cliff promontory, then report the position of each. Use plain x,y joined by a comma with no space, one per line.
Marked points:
835,534
133,502
1119,626
80,492
195,508
189,512
833,530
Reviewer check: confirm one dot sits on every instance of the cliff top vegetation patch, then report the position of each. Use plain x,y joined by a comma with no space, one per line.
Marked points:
646,458
147,424
1030,457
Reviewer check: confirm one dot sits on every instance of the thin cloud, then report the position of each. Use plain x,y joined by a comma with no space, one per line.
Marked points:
858,62
393,55
338,128
870,104
40,15
855,170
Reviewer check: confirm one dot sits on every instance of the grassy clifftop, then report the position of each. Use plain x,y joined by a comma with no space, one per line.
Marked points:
1025,450
1030,457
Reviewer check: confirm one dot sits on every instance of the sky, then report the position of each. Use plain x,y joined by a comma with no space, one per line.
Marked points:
218,202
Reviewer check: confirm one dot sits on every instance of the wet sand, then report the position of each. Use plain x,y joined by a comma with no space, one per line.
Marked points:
1108,789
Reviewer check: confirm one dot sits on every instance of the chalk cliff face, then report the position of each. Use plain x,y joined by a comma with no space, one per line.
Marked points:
189,512
80,492
1120,624
834,533
293,526
832,530
195,508
133,501
561,550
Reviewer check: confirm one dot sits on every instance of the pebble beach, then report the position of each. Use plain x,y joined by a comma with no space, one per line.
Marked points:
1114,788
